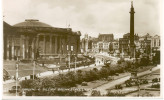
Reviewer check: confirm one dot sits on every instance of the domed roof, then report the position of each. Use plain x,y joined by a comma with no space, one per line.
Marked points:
31,23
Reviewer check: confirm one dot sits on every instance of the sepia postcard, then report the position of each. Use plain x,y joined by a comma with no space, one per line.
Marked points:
81,48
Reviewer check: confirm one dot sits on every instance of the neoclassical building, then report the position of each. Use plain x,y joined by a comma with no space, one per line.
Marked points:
24,39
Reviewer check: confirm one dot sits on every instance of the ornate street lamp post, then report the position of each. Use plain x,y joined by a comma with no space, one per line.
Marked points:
16,77
34,70
75,63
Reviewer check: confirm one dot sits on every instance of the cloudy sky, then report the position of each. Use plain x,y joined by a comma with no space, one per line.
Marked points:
88,16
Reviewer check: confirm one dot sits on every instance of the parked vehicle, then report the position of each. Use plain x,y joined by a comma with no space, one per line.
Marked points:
13,89
84,84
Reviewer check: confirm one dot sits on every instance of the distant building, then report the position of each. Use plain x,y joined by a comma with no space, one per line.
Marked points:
95,45
124,43
115,45
90,41
100,45
106,37
145,42
86,44
155,43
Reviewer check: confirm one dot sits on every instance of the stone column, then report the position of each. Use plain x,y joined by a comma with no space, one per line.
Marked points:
53,45
63,44
12,48
157,42
27,47
33,50
61,49
56,45
44,44
23,47
37,43
8,41
60,45
50,44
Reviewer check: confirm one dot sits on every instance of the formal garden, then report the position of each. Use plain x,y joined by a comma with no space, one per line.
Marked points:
65,84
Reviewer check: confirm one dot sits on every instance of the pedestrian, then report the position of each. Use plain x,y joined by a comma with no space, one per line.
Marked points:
43,64
14,77
53,70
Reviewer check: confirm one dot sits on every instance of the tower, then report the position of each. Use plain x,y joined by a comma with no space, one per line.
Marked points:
132,45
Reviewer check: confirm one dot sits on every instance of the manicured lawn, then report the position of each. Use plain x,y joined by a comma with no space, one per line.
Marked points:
24,69
157,71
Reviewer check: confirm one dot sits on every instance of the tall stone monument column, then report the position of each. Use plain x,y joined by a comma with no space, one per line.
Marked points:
132,45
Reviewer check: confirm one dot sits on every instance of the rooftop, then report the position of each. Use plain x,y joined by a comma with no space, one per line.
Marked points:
31,23
105,34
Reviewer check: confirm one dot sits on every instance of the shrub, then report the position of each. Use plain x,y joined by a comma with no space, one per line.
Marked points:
115,94
155,86
118,86
119,62
26,83
95,93
155,80
48,83
104,72
145,81
144,61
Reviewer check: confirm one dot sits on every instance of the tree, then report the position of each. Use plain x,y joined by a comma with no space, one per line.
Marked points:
144,61
48,83
111,47
79,77
103,72
156,58
94,75
26,83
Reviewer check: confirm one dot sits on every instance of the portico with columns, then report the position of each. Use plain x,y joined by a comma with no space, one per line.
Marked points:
25,39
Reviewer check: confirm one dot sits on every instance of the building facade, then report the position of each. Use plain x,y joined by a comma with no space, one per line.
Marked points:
155,43
145,44
104,46
86,44
25,39
124,43
106,37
